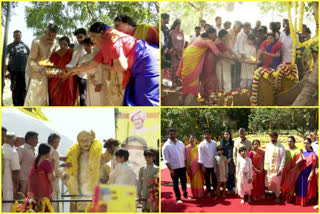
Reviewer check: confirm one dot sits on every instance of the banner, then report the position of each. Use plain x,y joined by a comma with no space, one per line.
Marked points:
137,129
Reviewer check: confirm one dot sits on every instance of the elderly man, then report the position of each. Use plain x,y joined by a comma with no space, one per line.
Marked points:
173,152
231,39
240,142
53,142
240,49
18,54
36,75
274,162
26,159
10,172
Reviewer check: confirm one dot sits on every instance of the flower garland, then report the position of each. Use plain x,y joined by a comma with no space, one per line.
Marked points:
154,195
244,91
257,75
294,30
30,205
94,166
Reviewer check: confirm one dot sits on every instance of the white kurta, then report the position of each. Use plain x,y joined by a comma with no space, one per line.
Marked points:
274,161
244,173
11,163
36,81
248,69
95,77
123,174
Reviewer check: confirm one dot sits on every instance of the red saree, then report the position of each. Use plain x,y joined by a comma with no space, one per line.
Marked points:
257,178
39,183
62,93
291,172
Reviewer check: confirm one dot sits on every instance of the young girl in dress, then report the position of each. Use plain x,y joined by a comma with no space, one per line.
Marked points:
221,171
244,175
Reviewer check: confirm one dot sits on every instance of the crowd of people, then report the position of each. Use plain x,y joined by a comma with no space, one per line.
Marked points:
25,171
244,168
224,56
106,67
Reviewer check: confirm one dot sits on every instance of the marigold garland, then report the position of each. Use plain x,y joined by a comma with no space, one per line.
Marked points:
30,205
94,166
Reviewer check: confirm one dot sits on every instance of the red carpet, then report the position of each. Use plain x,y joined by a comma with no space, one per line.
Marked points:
168,202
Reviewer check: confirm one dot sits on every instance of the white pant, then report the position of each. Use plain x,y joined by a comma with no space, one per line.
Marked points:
224,75
245,83
7,195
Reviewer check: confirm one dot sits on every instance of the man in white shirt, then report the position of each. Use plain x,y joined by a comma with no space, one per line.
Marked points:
78,52
218,25
286,47
173,152
197,31
274,161
207,151
53,142
10,173
240,49
26,159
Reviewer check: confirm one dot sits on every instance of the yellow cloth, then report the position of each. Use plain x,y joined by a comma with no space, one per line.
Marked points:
141,31
196,180
191,58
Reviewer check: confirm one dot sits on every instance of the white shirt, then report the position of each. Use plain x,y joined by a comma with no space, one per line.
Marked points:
207,152
11,163
240,42
174,154
315,147
286,47
78,52
123,174
217,28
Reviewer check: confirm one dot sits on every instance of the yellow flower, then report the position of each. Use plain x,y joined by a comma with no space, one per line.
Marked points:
94,166
265,75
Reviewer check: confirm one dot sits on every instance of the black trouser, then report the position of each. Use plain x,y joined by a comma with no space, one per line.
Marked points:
82,84
180,174
210,173
18,87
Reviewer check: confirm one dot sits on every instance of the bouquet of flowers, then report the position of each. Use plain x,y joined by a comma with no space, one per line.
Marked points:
154,195
31,205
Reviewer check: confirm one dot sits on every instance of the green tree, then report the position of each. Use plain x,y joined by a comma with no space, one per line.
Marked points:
191,12
72,15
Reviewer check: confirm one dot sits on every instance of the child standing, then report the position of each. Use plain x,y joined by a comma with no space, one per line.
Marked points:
248,65
244,175
221,171
123,174
147,174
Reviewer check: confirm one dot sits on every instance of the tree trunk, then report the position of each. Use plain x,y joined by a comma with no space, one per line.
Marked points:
4,47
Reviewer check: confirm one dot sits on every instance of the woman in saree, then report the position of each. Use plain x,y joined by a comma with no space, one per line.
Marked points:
270,49
291,170
41,175
177,41
145,32
227,144
191,64
193,168
307,183
257,157
62,92
138,61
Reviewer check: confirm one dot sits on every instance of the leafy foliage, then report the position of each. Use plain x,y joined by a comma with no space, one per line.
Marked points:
4,10
72,15
194,121
199,10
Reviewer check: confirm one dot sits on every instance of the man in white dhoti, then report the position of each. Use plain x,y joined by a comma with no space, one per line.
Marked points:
123,174
10,169
36,75
53,142
274,161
